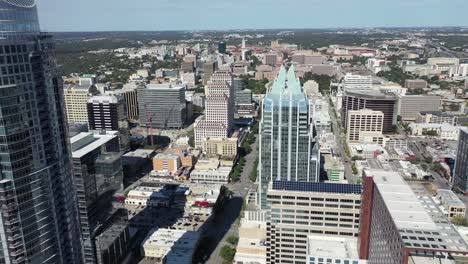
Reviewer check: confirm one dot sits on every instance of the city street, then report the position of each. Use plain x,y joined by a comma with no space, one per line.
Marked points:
226,223
340,146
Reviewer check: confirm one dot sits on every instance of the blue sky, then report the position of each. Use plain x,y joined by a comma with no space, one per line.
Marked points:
104,15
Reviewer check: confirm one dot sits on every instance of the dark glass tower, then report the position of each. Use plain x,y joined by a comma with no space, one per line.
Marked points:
38,216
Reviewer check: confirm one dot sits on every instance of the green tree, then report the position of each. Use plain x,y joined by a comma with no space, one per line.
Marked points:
459,221
253,173
256,86
232,240
227,253
454,107
431,133
424,167
355,170
191,135
323,81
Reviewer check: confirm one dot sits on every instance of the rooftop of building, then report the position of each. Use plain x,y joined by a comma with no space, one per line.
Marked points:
166,156
366,111
140,153
85,142
286,85
176,246
371,94
109,157
317,187
171,238
113,227
165,86
438,113
100,99
336,247
78,87
405,209
415,214
450,198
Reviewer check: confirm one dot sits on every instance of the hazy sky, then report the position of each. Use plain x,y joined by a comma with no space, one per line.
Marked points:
103,15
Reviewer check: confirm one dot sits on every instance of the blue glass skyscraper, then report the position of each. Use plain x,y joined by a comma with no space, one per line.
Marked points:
287,150
38,216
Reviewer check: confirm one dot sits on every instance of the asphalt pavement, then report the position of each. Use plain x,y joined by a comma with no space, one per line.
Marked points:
227,224
340,146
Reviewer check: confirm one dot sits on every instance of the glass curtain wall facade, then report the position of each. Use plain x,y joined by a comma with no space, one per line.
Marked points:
38,216
286,135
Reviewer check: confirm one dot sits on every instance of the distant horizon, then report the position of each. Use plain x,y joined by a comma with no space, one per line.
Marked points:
263,29
215,15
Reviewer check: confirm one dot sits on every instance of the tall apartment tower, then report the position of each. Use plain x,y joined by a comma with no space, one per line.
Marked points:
460,173
286,147
219,109
38,212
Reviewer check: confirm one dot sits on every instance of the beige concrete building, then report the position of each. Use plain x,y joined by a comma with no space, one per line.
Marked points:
76,99
219,175
219,109
220,146
251,247
170,246
415,84
452,205
365,126
299,209
166,163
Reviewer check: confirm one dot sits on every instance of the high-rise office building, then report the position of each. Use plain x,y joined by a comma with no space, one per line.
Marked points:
163,106
39,221
402,224
108,113
270,59
98,174
219,109
209,68
222,47
364,123
412,105
286,146
415,84
76,99
373,100
300,209
130,93
460,173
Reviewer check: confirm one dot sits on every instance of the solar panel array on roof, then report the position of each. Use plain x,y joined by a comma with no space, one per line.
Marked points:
317,187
